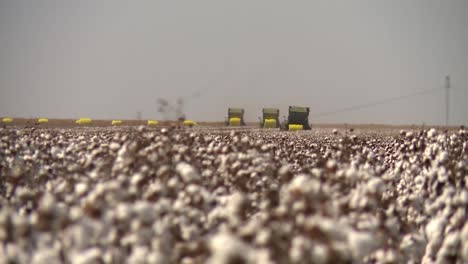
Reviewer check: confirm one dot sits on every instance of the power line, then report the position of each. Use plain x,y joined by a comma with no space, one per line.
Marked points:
376,103
447,101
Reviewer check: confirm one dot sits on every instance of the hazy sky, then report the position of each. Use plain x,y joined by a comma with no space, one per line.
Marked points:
110,59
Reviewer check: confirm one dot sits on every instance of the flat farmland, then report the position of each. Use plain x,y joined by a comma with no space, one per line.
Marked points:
211,194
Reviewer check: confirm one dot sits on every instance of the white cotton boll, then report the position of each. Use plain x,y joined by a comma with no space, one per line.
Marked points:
351,173
129,240
435,228
464,242
123,159
187,172
139,255
442,175
226,248
193,189
462,198
250,228
114,146
49,256
297,183
24,193
303,185
47,203
137,178
442,157
434,233
14,254
375,186
333,230
449,248
112,255
299,206
174,183
263,237
300,249
189,232
75,213
370,156
234,206
459,217
320,254
263,256
157,257
81,188
393,225
441,138
432,133
331,164
412,246
144,211
361,244
123,212
386,256
20,225
89,256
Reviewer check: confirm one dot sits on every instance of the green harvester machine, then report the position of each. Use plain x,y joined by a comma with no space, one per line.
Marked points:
298,119
270,118
235,117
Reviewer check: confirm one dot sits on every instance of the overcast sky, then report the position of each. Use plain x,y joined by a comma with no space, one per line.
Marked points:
110,59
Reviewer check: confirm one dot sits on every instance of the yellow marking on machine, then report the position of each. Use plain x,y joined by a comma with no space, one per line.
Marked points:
295,127
234,121
270,123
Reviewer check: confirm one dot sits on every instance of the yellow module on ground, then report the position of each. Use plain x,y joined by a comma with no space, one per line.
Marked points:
84,121
7,120
295,127
234,121
116,122
190,123
42,120
152,123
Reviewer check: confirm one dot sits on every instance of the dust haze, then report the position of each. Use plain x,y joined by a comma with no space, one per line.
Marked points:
113,59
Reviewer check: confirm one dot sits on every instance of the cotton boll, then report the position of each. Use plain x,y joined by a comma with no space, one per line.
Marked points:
361,244
375,186
226,248
89,256
139,255
145,212
464,243
412,246
300,249
449,248
432,133
81,188
187,172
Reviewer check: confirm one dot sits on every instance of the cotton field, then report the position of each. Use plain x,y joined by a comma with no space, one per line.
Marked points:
161,195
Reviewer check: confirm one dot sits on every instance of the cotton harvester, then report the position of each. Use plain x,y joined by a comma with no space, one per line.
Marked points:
270,118
298,118
235,117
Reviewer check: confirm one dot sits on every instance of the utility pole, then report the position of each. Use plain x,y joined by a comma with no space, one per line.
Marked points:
447,100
